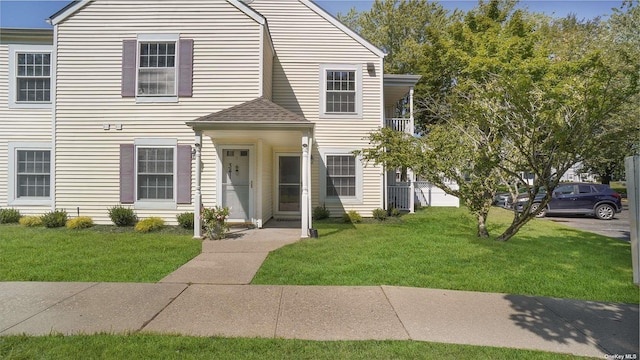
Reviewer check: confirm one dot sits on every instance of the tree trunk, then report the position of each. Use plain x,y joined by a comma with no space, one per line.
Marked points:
482,225
605,178
513,228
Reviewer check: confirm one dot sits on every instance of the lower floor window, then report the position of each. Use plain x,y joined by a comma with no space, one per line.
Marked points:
33,173
155,173
341,175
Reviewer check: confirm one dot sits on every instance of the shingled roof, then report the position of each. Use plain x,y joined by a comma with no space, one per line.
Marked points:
259,110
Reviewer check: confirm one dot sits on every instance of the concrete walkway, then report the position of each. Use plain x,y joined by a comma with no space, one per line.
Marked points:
206,297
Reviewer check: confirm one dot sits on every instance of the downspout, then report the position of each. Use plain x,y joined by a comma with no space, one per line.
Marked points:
54,78
197,203
310,201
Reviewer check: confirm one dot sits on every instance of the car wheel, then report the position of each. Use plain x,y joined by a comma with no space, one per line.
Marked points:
534,208
605,212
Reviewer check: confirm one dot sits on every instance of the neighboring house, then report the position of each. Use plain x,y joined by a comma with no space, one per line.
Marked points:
575,174
171,105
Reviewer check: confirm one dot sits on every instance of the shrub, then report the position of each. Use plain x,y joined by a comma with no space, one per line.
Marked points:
9,216
30,221
122,216
352,217
321,212
54,219
150,224
185,220
214,222
380,214
81,222
394,212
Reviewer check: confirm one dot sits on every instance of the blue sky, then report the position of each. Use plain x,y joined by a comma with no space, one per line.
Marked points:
32,14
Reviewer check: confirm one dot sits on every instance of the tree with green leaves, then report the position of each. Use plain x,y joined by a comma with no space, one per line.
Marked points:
522,93
619,40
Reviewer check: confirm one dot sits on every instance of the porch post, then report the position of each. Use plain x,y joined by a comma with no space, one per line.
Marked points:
304,208
411,126
197,203
410,175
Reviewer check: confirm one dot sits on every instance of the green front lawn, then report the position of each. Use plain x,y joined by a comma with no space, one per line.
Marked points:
437,248
178,347
102,253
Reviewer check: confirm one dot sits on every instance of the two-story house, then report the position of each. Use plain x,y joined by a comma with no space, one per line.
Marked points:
167,106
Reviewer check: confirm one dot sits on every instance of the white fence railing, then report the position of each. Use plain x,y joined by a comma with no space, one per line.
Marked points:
399,196
425,194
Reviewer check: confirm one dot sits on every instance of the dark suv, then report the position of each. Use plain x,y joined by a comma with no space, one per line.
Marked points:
577,198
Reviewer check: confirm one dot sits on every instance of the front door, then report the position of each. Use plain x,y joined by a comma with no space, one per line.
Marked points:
289,184
236,183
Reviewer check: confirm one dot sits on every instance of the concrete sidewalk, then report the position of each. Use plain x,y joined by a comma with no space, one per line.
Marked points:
321,313
207,297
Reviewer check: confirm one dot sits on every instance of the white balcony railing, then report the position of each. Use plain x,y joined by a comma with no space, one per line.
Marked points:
400,124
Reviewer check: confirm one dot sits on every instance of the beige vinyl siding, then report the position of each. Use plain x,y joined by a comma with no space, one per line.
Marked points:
267,65
268,196
303,41
225,73
18,125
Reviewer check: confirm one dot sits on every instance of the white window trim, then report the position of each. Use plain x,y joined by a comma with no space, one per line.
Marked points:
160,203
357,199
13,96
158,38
12,198
323,91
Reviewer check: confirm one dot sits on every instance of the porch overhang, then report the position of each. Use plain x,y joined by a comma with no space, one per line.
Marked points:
249,125
397,86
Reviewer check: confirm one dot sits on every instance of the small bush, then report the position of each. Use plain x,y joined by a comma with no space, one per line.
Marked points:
394,212
81,222
54,219
9,216
352,217
122,216
30,221
321,212
150,224
380,214
185,220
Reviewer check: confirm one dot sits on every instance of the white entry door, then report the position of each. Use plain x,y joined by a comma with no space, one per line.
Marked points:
236,183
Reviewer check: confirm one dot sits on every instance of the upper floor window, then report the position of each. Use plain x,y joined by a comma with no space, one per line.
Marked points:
30,74
157,67
341,91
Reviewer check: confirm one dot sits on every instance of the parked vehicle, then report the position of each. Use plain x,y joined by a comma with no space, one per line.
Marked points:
577,199
503,200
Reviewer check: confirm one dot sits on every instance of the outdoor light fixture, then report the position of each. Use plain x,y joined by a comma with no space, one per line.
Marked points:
371,69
